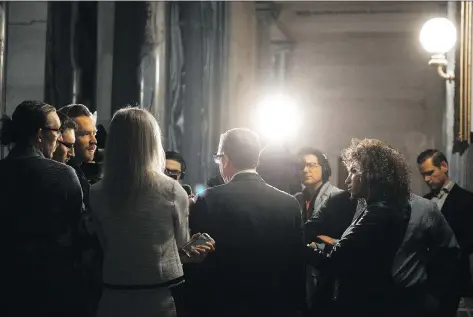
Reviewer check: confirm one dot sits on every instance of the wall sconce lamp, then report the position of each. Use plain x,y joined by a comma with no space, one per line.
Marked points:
438,36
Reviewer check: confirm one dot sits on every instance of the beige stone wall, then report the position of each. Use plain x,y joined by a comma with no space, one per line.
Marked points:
26,52
365,75
242,63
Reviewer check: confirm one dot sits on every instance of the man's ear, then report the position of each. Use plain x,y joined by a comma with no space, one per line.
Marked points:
444,167
225,161
39,135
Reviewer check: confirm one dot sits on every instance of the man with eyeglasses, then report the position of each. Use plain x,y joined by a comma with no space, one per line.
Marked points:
65,147
175,165
258,268
315,174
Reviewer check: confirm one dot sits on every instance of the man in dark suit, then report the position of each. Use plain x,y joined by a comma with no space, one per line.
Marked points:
456,204
257,268
41,204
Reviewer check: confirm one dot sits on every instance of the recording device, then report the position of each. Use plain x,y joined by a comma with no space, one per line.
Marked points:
198,240
93,171
188,189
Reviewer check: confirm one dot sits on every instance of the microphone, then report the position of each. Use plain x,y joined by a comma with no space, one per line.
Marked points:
188,189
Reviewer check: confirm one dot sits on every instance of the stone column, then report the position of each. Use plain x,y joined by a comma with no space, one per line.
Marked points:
105,36
139,57
26,52
243,84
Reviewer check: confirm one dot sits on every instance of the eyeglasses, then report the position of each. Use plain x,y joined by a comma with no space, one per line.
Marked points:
218,157
57,131
70,146
309,165
172,173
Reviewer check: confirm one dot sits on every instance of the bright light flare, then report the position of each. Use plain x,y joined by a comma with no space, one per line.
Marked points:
438,35
277,117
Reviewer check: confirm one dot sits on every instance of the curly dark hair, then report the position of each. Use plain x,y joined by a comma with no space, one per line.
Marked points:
390,175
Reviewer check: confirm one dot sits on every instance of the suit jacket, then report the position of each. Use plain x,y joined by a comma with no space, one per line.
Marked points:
429,252
332,218
257,267
317,201
41,204
458,211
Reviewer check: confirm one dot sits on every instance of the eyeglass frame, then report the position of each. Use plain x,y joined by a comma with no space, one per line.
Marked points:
170,172
309,166
217,157
58,130
70,146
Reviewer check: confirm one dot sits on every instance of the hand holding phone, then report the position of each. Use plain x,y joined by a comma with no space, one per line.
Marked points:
199,244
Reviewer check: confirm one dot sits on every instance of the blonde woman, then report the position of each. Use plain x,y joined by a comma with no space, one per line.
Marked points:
141,217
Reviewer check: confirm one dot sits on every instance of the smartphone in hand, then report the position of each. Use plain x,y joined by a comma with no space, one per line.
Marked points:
198,240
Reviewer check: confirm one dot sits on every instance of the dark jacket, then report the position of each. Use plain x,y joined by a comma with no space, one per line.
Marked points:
423,263
89,244
424,266
332,218
458,211
41,204
362,260
257,268
310,205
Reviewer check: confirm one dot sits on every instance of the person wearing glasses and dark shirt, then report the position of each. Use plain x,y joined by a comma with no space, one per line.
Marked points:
315,172
176,169
65,148
175,165
41,205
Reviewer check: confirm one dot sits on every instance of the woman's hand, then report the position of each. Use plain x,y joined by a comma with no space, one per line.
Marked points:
200,251
327,240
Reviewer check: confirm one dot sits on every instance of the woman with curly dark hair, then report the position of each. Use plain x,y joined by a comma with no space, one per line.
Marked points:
362,259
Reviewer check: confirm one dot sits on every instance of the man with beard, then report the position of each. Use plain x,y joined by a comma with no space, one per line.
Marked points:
84,148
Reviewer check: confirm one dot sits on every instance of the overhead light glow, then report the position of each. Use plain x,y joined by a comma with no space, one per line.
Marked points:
277,117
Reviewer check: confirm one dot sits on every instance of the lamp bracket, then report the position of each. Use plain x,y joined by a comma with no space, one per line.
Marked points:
440,61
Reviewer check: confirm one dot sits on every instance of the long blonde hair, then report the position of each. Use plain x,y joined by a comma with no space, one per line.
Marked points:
134,156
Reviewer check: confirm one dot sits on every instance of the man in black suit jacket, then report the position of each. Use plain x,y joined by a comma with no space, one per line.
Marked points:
257,268
41,204
456,204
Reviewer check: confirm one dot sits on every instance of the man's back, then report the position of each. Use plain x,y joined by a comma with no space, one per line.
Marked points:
258,257
428,234
458,211
41,201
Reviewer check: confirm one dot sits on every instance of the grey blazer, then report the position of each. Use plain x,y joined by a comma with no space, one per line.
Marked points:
325,191
141,243
429,247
